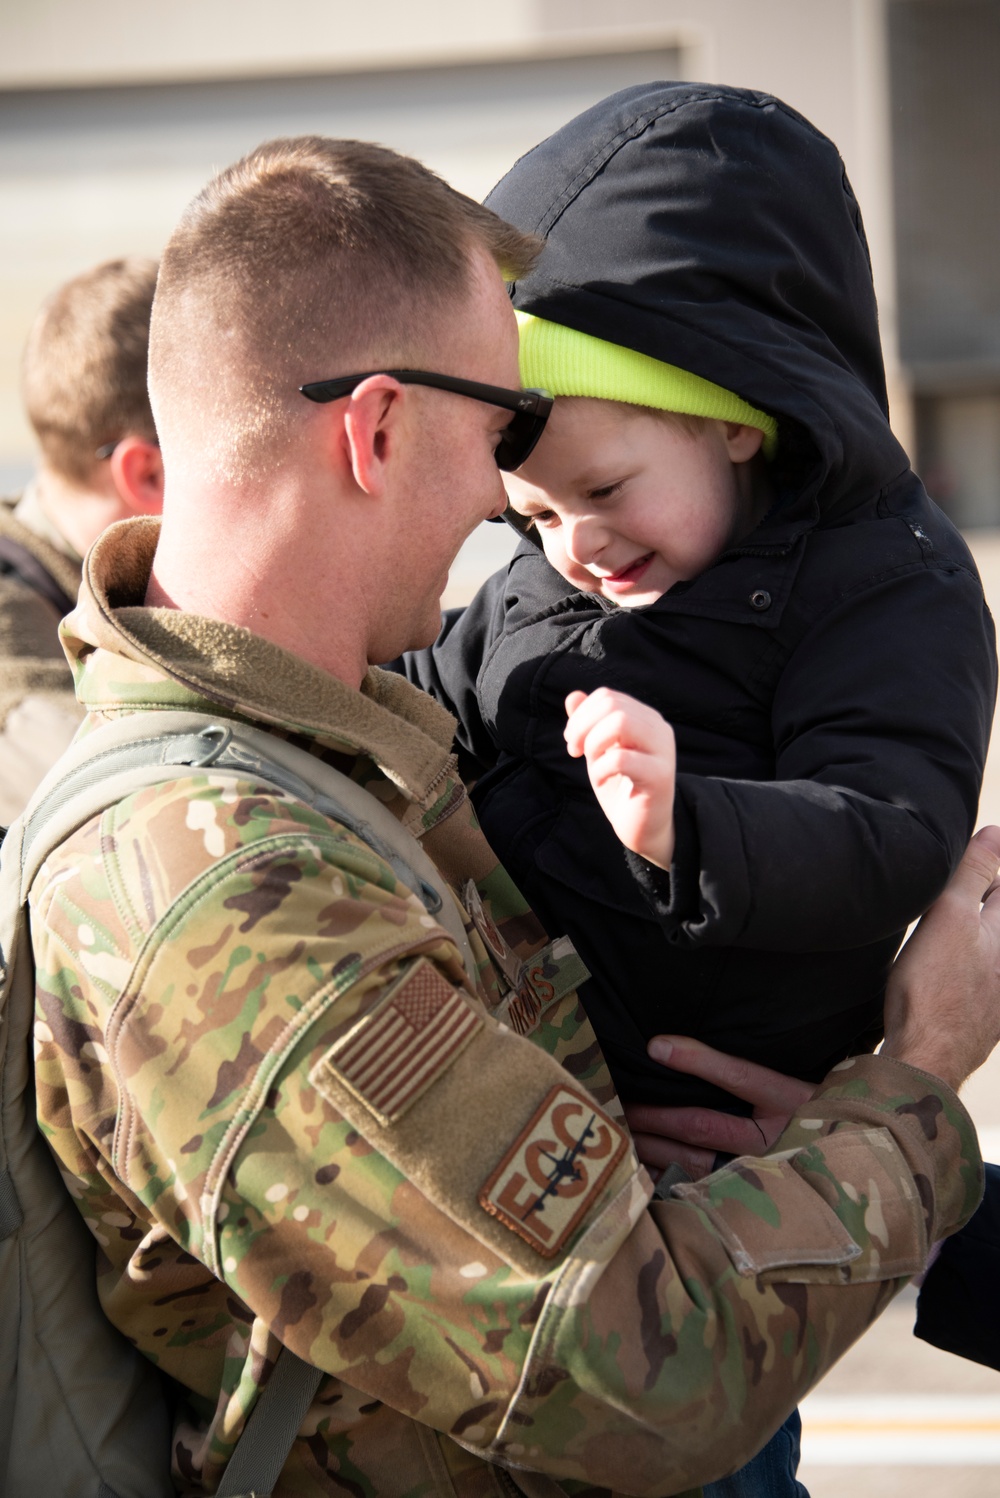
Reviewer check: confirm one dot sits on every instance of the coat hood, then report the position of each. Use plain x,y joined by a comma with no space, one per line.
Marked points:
714,228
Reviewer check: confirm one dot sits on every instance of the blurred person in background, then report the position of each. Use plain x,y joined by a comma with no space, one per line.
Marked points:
84,386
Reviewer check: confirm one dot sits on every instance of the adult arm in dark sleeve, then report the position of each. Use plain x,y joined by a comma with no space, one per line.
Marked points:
881,736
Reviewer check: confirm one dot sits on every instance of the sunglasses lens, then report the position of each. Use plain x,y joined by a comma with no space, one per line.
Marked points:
515,441
518,439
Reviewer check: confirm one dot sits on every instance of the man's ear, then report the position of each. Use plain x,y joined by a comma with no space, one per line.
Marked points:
742,442
137,474
371,431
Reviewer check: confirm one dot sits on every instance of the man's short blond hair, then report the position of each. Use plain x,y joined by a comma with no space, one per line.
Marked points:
309,258
84,366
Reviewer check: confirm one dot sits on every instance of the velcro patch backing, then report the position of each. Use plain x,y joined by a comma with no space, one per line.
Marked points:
404,1042
554,1171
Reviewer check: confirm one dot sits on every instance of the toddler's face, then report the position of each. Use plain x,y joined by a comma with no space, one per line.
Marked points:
627,504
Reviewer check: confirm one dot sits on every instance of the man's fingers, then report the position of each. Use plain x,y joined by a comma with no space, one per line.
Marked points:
703,1129
767,1089
989,837
657,1153
990,914
978,869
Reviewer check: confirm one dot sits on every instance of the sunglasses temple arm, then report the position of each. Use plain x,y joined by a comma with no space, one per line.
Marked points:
523,527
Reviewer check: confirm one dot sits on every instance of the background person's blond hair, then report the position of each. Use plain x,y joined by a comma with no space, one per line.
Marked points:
84,365
308,258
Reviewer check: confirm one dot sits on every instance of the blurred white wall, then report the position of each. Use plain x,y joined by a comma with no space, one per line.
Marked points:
114,112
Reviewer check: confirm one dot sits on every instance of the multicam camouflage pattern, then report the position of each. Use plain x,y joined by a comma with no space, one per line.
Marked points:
203,949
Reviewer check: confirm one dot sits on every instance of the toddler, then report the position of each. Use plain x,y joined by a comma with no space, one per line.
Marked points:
778,663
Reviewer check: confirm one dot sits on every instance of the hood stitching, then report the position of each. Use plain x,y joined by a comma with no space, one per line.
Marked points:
738,100
640,123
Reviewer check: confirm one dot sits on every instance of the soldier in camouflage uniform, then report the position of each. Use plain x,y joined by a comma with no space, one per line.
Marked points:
289,1112
84,385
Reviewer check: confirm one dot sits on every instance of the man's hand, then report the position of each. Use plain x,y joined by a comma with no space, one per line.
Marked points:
942,1006
631,761
691,1137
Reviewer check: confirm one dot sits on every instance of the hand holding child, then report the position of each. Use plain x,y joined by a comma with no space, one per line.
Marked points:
942,1014
632,762
691,1137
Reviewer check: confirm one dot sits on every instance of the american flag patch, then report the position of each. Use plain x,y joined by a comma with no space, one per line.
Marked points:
404,1043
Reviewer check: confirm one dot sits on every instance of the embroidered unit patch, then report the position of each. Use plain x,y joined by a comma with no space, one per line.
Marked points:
402,1045
505,958
554,1171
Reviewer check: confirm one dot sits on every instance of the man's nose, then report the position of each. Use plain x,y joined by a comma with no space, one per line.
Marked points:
584,538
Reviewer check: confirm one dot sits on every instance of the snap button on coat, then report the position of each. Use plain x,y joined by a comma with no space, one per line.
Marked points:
760,599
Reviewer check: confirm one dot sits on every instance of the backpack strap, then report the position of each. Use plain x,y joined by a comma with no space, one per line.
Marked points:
269,1434
111,763
125,755
81,1411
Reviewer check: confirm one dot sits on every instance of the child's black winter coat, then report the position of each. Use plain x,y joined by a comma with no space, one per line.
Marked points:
831,680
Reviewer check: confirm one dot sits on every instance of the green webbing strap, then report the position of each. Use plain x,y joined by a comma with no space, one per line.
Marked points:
161,744
270,1431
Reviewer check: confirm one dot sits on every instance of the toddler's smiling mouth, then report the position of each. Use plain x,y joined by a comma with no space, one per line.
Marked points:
628,576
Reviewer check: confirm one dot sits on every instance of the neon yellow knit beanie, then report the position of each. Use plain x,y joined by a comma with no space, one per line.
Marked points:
565,362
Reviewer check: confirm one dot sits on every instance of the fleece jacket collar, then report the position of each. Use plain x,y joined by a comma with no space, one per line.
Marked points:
127,657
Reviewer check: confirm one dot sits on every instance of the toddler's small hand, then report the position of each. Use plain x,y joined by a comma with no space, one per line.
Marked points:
631,760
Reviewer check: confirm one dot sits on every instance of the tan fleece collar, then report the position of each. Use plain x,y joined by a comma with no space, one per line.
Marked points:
406,733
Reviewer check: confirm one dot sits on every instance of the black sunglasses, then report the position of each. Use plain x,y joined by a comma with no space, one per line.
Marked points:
530,407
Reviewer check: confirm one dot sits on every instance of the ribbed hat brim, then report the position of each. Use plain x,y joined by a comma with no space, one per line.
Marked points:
564,362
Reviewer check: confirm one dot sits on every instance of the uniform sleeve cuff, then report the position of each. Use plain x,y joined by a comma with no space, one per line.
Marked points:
928,1122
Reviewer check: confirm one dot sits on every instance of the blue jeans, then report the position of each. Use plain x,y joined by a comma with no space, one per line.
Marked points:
771,1473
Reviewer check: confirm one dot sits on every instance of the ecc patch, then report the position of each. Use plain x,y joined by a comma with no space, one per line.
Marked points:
553,1172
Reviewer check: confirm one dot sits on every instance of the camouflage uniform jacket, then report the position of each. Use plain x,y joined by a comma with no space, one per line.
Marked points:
288,1116
38,711
31,658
